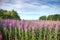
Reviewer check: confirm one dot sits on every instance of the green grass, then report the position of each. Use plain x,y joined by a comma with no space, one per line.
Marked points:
44,33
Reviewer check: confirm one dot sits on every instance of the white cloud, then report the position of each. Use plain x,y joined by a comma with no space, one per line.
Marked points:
44,7
28,8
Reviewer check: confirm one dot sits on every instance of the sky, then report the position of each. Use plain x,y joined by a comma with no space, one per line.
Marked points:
32,9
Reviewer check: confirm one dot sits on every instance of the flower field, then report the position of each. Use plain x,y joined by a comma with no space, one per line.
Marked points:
29,30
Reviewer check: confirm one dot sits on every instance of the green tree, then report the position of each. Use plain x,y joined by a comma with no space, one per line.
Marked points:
14,14
1,13
54,17
50,17
4,14
42,18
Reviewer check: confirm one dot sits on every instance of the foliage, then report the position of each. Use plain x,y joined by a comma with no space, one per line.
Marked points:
5,14
42,18
54,17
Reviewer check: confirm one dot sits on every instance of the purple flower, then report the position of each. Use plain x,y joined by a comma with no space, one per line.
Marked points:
1,38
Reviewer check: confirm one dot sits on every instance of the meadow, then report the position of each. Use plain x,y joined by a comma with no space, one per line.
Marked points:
29,30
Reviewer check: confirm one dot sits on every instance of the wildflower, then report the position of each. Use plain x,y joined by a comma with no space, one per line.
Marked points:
1,38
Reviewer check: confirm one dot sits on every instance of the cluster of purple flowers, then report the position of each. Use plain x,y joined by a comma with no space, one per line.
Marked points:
30,23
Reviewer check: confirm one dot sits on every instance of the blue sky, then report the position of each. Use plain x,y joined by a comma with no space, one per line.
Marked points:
32,9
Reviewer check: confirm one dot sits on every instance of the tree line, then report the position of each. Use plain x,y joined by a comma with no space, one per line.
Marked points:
54,17
5,14
12,14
